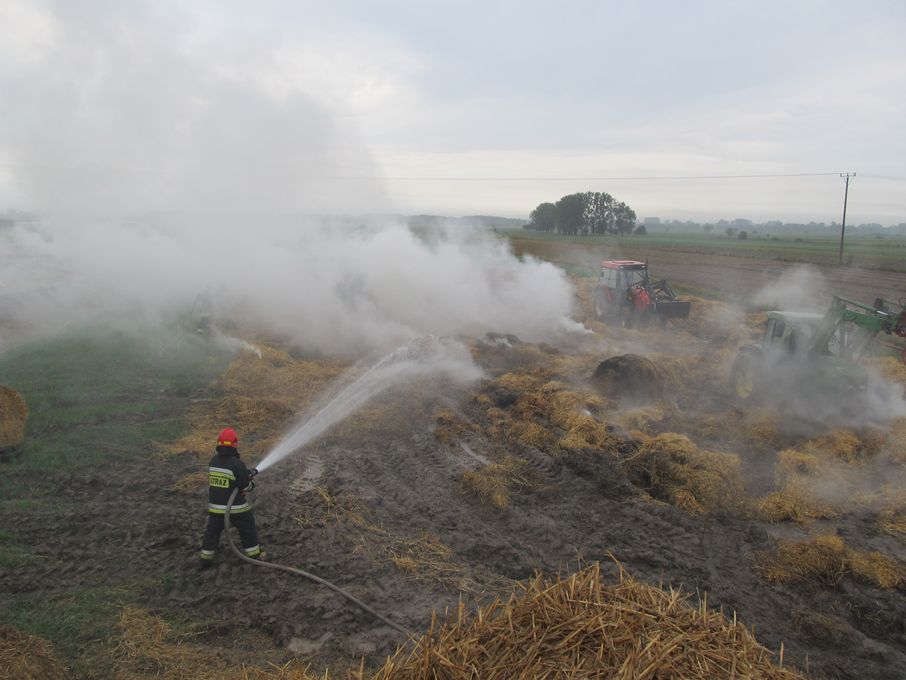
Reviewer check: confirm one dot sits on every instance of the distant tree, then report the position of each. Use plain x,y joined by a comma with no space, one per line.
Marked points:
729,231
591,212
599,213
743,234
708,228
624,218
570,211
640,230
544,217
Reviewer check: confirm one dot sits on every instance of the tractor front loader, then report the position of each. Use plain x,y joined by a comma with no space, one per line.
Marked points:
815,357
625,294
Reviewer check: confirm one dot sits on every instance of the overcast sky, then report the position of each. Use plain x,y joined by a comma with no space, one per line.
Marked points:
366,106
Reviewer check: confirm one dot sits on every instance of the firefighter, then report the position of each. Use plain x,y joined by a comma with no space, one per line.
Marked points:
228,472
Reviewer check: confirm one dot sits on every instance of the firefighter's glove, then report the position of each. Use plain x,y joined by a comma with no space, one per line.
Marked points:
250,487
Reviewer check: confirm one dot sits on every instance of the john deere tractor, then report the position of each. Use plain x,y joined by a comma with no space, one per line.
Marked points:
625,294
813,358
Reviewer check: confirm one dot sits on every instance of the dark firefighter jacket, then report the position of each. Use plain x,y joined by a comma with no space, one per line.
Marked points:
226,473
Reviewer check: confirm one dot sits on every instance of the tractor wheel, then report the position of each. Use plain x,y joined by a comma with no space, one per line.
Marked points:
744,376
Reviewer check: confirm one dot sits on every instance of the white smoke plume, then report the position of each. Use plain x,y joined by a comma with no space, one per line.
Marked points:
168,171
799,289
333,289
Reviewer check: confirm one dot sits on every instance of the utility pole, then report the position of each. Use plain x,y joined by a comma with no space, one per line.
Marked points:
846,177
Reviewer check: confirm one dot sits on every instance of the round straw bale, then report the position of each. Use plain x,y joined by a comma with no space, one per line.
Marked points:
13,416
630,376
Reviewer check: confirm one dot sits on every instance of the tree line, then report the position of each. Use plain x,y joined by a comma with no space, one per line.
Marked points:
589,213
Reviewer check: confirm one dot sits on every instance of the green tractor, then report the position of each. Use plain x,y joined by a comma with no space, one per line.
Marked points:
813,359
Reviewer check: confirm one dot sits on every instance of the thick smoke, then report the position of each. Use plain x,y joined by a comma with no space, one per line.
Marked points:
334,289
170,177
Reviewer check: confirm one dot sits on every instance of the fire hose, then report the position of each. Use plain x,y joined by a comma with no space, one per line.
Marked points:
308,575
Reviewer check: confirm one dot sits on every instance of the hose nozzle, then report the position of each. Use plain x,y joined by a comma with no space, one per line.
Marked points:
253,472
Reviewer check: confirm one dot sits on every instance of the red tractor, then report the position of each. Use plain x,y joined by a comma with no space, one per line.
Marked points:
624,293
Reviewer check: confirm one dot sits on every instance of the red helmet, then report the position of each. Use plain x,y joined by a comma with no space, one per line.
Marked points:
227,438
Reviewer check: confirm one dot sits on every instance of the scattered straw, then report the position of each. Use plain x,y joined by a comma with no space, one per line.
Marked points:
841,443
826,560
149,647
578,627
679,472
27,657
549,416
191,483
889,367
793,503
449,426
822,561
260,396
494,483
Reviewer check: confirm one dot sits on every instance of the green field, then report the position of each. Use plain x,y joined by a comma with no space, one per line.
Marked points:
875,253
94,399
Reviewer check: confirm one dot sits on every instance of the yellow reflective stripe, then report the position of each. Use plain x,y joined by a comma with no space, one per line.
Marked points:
222,472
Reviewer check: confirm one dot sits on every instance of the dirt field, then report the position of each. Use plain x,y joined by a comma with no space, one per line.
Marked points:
736,277
436,494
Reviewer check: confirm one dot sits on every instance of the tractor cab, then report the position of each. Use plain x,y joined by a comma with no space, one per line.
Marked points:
790,332
622,274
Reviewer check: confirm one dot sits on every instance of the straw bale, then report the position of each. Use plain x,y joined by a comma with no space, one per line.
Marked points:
579,627
13,416
495,483
27,657
826,560
629,375
695,480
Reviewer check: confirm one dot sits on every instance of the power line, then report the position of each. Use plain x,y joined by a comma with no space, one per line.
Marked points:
631,178
438,178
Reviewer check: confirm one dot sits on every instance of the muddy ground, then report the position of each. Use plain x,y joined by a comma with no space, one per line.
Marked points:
382,513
